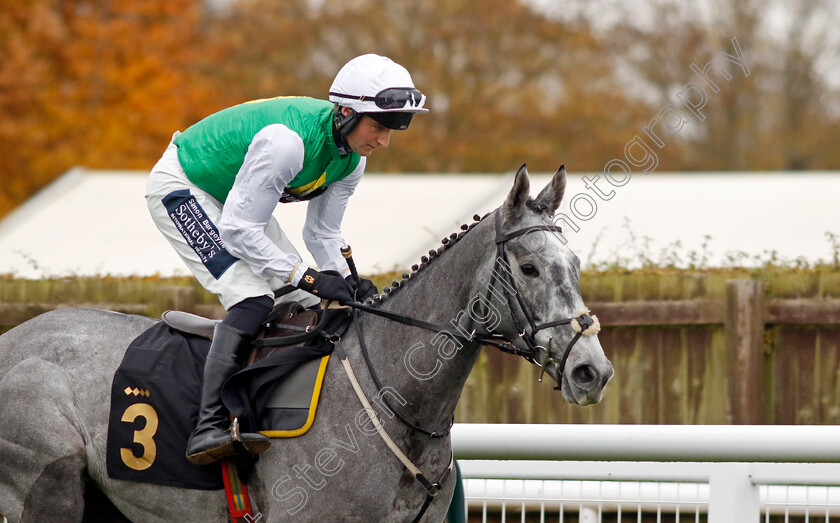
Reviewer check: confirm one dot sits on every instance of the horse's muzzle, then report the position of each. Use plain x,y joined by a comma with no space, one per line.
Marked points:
585,383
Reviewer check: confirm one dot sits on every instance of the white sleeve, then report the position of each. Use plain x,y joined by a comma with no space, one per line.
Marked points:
322,231
274,158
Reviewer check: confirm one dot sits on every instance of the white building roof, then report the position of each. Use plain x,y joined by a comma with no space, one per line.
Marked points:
95,222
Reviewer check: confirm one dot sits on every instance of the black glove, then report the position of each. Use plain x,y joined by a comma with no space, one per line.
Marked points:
364,288
326,286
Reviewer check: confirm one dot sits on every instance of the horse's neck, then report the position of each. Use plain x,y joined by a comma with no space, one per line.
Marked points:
429,369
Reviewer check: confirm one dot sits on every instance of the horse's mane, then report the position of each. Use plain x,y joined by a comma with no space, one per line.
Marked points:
416,269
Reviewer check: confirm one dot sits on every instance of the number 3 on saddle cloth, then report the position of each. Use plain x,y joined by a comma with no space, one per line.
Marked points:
157,388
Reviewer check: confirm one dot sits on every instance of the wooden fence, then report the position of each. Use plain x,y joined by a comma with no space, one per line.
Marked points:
707,348
715,348
21,300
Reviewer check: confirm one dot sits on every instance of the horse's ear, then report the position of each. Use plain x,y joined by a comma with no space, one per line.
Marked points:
551,196
521,190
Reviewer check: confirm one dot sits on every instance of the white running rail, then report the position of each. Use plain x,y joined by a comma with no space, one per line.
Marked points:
728,474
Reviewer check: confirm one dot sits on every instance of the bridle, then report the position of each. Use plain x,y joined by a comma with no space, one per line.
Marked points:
583,324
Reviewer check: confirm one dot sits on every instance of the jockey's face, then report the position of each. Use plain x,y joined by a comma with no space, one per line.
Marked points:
368,136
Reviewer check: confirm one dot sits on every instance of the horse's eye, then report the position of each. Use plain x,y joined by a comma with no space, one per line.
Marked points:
528,269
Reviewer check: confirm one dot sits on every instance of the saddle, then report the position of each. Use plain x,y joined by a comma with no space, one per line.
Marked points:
156,390
286,321
289,409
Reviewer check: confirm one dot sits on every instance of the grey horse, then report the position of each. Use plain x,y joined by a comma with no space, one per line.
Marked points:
56,372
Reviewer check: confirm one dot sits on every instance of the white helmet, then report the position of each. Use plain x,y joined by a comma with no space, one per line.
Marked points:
379,87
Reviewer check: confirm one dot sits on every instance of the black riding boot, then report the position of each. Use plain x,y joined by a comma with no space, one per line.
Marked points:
214,437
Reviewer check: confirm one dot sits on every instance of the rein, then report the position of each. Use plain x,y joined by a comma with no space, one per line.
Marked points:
380,387
582,323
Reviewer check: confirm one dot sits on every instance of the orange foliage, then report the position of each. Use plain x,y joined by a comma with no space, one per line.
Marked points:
106,83
96,83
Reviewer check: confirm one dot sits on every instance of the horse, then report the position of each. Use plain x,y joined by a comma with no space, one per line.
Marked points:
491,283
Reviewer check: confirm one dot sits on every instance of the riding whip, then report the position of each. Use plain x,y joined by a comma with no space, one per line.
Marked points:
347,252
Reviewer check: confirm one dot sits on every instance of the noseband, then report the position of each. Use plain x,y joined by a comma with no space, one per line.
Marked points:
582,323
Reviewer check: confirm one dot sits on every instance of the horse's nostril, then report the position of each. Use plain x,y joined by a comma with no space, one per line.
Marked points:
585,375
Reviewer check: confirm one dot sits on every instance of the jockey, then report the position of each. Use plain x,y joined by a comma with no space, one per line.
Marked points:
213,192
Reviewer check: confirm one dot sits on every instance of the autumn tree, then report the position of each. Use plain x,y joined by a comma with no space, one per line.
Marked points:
96,83
783,116
505,84
105,83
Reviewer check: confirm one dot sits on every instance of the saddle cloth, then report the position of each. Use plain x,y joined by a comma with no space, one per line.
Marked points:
156,392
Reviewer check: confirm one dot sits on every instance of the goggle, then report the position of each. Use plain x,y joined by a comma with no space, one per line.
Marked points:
391,98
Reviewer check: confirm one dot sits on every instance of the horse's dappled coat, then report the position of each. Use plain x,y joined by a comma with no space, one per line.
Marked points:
56,370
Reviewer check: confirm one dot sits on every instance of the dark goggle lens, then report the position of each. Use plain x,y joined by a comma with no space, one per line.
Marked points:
397,121
398,98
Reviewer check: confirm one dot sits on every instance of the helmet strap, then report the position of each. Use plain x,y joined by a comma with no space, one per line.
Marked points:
342,126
